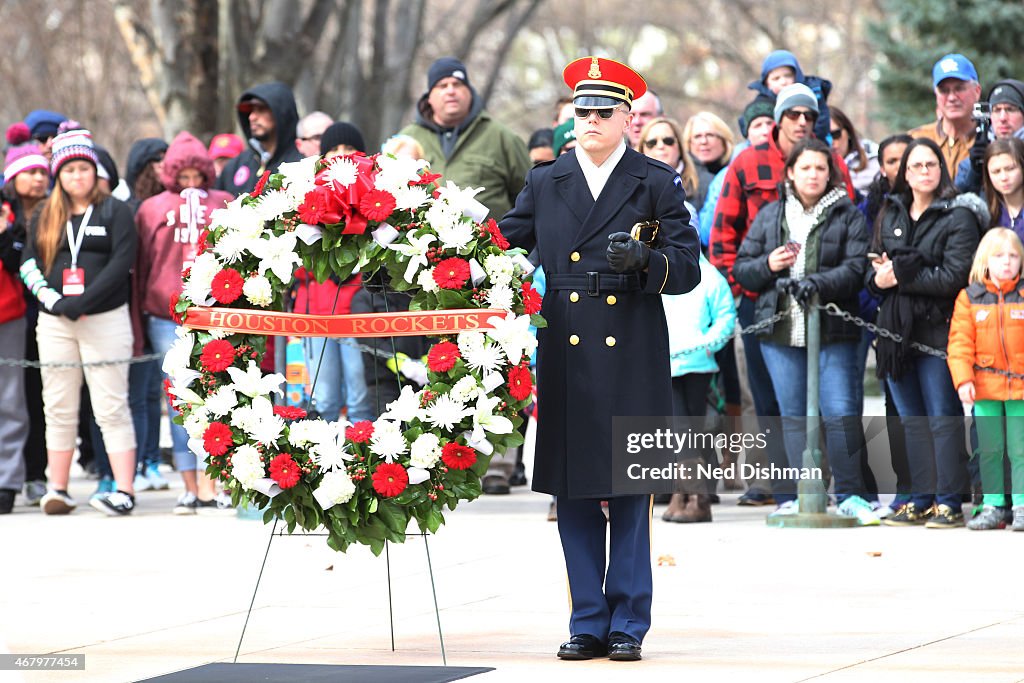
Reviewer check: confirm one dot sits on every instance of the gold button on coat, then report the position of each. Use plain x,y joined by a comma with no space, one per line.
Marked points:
575,256
574,297
611,300
574,340
610,341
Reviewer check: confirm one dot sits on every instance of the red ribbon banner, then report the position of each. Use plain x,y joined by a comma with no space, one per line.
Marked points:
401,324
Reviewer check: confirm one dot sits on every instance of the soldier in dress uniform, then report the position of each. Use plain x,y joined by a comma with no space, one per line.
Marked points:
612,235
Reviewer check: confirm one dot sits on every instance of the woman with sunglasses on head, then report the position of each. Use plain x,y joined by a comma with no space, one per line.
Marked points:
708,143
860,155
926,239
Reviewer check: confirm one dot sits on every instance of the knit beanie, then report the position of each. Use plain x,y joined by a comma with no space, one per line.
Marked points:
1007,91
564,134
72,142
341,133
794,95
760,106
22,154
445,67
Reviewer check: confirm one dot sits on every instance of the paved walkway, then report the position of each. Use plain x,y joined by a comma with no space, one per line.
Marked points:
734,600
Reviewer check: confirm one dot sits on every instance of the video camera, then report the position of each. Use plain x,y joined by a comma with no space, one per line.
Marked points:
982,116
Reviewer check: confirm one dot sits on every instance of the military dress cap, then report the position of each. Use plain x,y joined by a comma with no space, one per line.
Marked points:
601,83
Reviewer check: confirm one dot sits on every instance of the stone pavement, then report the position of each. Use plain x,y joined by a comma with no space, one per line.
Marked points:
734,600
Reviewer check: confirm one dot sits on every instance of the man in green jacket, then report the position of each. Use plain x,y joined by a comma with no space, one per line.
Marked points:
463,143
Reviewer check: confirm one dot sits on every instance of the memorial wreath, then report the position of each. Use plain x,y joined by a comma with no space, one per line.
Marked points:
390,219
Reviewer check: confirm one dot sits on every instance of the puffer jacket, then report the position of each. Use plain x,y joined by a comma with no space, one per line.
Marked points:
706,315
947,233
837,267
987,329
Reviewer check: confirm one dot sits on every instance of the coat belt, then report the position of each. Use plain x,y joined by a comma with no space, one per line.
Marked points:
593,283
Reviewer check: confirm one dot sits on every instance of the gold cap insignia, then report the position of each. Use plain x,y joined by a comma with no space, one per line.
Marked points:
595,69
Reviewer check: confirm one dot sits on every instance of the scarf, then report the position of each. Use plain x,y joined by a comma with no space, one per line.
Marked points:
897,312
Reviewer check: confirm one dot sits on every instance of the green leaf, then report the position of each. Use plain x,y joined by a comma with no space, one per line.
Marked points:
538,321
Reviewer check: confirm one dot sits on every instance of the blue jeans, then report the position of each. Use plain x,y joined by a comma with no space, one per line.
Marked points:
837,399
341,379
144,390
162,336
933,419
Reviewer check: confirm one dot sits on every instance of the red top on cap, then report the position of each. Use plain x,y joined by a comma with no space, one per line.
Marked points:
226,146
599,77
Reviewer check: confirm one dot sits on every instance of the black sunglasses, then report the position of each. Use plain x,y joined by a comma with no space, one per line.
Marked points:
668,142
793,115
583,113
837,133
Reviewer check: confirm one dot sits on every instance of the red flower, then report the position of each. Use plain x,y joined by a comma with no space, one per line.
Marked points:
520,382
451,273
442,357
377,205
285,471
289,412
390,479
260,184
499,240
217,438
313,206
531,299
227,286
458,457
175,316
202,243
217,355
360,432
426,179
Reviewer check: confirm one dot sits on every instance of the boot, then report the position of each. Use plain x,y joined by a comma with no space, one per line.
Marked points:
676,506
698,509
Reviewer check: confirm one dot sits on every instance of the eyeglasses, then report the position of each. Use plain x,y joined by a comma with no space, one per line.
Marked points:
312,138
583,113
793,115
837,133
704,137
922,166
652,142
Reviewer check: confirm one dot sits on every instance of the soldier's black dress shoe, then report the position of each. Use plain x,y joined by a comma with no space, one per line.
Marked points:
623,647
582,647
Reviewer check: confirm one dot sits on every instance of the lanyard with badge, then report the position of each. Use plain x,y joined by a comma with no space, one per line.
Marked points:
74,277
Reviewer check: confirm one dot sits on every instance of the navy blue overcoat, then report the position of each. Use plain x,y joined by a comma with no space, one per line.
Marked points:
605,350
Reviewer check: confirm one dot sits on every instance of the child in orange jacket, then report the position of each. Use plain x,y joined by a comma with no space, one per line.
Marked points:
987,331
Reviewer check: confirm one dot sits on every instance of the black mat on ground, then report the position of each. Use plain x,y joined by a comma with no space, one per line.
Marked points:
318,673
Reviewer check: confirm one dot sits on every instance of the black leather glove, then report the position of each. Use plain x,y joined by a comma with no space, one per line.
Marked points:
977,153
803,290
625,254
784,284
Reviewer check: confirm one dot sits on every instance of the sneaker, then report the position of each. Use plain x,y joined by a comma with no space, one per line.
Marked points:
756,499
106,485
156,480
57,503
116,504
907,515
1018,518
790,507
945,517
989,518
142,483
186,505
859,509
34,492
218,504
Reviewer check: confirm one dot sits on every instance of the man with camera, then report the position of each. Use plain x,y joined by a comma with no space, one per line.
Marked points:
956,90
1001,117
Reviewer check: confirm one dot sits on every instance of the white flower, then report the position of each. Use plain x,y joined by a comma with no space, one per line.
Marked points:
239,218
331,453
409,198
514,336
277,254
395,174
425,451
196,423
182,394
500,268
458,198
336,488
470,340
404,408
178,356
416,251
299,179
455,235
258,291
387,440
426,280
465,389
222,401
304,432
273,204
485,419
485,358
246,465
342,171
197,286
446,412
219,333
252,383
442,216
501,296
262,425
